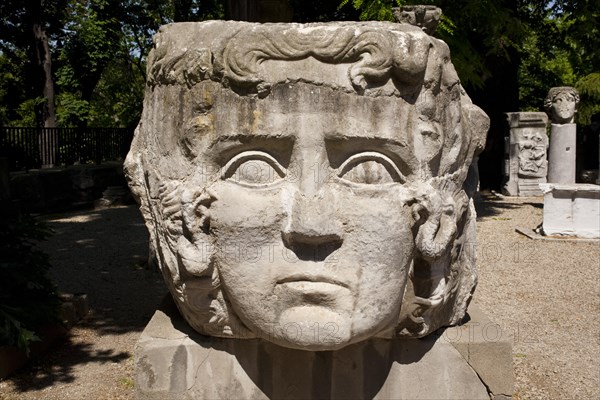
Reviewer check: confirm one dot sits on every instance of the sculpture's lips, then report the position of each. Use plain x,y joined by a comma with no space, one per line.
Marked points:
298,280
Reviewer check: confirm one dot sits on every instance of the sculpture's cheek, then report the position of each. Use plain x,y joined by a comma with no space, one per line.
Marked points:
380,245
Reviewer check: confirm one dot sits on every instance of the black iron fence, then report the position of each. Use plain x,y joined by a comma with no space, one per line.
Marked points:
28,148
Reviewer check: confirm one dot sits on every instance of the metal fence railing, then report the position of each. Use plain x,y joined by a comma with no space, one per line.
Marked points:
28,148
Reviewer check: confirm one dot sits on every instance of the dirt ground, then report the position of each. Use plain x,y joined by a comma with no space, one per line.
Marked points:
546,294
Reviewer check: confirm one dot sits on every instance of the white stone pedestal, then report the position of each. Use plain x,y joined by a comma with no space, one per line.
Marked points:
571,210
174,362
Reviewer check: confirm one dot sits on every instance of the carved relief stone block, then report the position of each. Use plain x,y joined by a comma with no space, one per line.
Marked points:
308,178
525,153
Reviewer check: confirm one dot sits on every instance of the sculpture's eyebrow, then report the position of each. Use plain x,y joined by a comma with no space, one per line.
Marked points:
225,146
358,136
243,138
341,146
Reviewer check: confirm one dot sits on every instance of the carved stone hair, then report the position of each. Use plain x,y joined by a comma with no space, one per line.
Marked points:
234,57
382,59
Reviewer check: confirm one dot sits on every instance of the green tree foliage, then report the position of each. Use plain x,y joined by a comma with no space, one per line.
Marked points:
92,40
98,50
25,30
559,51
323,10
589,88
28,299
118,97
374,10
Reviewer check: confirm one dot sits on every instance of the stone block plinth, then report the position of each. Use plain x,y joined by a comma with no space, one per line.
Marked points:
172,361
571,210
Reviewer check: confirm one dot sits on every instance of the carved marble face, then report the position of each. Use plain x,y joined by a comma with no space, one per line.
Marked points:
564,106
295,178
311,219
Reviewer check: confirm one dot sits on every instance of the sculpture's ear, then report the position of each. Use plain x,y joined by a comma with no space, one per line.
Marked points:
194,249
436,220
436,225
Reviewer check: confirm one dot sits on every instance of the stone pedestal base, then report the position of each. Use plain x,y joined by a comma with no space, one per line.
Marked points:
172,361
571,210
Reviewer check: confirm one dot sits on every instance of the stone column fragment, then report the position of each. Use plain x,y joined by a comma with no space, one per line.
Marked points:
561,105
562,153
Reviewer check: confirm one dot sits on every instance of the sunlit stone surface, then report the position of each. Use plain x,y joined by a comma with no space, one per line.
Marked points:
309,185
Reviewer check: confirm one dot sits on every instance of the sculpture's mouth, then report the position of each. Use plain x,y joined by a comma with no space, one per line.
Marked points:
307,284
317,278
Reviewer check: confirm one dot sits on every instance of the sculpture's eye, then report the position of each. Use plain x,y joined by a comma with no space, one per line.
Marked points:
370,168
253,168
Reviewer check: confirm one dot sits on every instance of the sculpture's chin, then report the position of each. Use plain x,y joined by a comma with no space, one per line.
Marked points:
311,327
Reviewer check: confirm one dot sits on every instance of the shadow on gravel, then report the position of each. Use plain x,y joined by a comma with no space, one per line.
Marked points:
536,205
489,205
58,365
102,253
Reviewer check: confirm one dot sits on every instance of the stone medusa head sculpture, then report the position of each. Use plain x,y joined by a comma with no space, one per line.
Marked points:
308,184
561,104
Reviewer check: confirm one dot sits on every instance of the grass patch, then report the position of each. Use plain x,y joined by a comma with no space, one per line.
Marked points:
126,382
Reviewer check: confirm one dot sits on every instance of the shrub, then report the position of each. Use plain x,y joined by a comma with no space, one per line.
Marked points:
28,299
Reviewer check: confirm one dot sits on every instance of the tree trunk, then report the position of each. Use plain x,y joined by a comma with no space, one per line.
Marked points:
45,63
47,139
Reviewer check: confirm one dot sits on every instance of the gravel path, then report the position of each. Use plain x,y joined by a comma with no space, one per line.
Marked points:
546,294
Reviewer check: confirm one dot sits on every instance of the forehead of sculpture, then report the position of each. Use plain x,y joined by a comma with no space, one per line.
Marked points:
291,106
564,96
191,121
209,114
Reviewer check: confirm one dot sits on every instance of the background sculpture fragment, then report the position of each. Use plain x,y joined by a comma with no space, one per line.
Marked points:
525,153
269,88
561,105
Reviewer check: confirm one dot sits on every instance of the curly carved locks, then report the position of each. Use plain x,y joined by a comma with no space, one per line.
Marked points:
237,57
555,91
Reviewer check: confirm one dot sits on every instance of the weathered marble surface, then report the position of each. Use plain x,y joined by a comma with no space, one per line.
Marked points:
301,178
525,159
571,210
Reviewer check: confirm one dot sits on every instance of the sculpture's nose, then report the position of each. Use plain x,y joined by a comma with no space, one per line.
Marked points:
313,229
